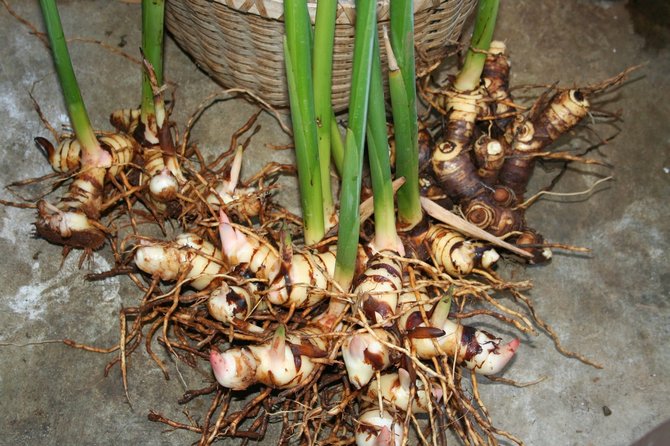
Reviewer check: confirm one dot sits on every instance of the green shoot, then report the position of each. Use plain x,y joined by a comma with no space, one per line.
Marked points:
442,308
402,41
349,225
297,44
405,116
153,13
485,22
92,154
386,236
406,134
324,35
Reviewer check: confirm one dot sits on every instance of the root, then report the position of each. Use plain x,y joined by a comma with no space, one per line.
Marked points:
526,204
33,29
511,382
552,333
611,82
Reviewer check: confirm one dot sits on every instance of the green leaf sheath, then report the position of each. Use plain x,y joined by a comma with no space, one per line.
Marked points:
153,16
485,22
378,157
347,243
405,116
74,103
324,35
402,41
297,52
349,224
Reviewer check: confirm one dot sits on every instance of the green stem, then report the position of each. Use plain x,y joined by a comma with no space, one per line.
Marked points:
485,22
402,42
405,116
153,13
324,35
297,52
349,225
307,155
378,157
92,154
405,127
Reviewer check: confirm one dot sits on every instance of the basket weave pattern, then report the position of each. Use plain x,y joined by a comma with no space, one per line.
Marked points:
239,42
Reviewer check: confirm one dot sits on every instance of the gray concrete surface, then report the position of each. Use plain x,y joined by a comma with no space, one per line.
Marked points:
611,306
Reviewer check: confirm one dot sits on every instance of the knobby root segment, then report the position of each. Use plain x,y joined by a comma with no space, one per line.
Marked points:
485,154
74,221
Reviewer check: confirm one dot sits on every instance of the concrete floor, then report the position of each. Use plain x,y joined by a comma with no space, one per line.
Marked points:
611,306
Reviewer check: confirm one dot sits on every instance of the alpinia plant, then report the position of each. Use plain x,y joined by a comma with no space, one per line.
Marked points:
74,221
346,327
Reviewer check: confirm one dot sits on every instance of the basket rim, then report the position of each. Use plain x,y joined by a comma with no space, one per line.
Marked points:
274,9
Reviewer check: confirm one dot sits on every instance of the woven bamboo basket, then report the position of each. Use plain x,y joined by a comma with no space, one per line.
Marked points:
239,42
